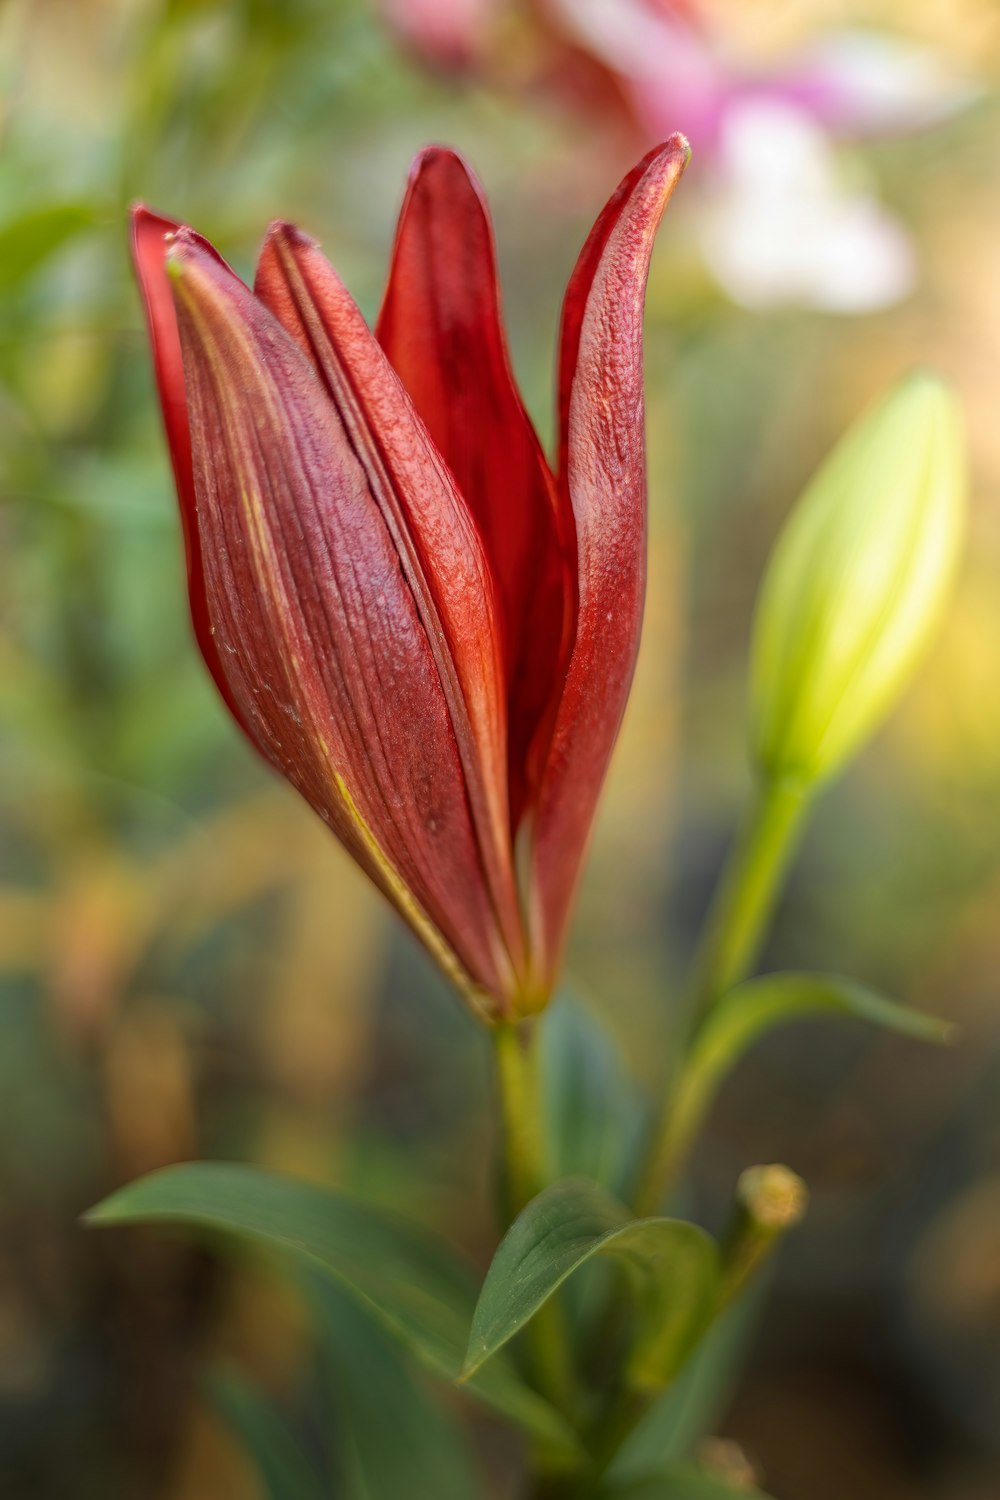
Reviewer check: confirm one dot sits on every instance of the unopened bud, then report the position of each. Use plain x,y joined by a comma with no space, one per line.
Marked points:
774,1197
856,583
769,1201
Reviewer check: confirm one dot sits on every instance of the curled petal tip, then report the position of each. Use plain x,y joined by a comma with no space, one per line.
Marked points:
602,473
432,156
677,144
444,168
290,234
183,250
144,219
140,213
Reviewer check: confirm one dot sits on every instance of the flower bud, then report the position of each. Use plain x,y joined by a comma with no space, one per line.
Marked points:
770,1201
413,618
856,583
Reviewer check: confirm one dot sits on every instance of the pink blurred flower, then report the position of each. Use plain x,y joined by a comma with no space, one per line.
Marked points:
674,66
445,33
799,231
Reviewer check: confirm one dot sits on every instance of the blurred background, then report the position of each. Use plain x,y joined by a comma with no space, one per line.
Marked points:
190,966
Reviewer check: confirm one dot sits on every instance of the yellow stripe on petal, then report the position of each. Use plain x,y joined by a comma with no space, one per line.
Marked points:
403,898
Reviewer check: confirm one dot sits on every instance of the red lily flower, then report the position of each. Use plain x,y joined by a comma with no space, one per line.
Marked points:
425,630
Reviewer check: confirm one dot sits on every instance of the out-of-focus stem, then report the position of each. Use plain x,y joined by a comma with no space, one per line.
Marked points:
737,922
744,901
770,1201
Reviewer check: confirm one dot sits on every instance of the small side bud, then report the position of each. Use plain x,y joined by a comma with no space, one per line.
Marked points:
774,1197
726,1460
856,584
770,1200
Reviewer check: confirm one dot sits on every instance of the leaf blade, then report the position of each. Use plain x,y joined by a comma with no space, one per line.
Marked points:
564,1228
413,1285
283,1467
393,1435
751,1009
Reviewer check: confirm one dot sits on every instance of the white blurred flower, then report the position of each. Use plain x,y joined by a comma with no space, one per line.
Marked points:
780,226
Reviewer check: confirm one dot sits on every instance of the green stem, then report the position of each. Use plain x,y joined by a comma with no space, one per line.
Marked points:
770,1201
525,1175
671,1140
737,922
748,891
520,1114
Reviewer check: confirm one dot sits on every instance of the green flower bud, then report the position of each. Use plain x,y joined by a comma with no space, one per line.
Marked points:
857,582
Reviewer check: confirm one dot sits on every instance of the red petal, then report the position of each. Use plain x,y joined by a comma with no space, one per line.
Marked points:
439,548
151,236
603,470
321,637
441,327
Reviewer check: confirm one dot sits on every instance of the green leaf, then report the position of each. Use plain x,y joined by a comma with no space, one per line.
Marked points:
746,1012
682,1483
27,241
749,1010
392,1437
593,1117
674,1265
283,1467
412,1284
697,1400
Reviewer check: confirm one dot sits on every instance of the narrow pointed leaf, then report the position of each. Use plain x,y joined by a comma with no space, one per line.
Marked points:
441,327
392,1436
283,1468
674,1265
750,1010
602,470
410,1283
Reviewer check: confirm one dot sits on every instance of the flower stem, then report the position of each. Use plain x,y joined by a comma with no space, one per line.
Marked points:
737,922
525,1174
744,901
520,1114
770,1200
